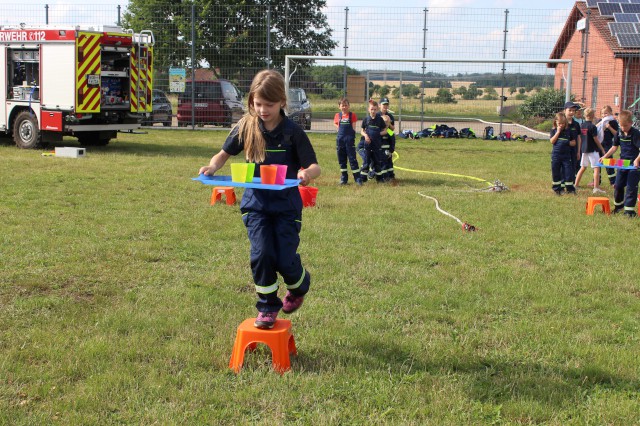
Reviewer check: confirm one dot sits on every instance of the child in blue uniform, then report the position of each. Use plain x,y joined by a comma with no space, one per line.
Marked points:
570,110
628,139
345,122
562,139
373,127
388,141
272,218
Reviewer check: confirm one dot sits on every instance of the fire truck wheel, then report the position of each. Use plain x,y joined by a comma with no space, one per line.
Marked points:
26,133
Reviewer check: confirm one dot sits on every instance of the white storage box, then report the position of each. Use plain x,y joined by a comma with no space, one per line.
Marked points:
70,152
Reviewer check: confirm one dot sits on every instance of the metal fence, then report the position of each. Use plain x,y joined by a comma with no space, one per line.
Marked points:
232,42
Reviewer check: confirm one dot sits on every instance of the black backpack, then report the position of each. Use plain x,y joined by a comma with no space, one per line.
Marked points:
488,133
467,133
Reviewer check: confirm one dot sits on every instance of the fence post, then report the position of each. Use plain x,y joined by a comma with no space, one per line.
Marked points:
269,37
424,53
585,53
504,67
193,66
400,106
46,14
119,21
346,46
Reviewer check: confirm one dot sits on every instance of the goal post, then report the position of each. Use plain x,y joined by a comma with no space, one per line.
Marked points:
343,61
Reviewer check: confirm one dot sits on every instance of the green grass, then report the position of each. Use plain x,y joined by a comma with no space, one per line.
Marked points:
121,288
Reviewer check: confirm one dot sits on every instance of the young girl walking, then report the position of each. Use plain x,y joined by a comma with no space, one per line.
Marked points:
273,218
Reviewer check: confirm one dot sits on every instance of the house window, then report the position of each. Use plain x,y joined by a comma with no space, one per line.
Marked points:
594,93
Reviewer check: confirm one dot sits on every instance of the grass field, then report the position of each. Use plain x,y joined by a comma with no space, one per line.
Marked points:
121,288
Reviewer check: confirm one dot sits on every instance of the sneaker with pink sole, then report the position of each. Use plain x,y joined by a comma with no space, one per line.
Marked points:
266,320
291,303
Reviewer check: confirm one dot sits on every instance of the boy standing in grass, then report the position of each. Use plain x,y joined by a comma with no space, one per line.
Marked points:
373,127
590,157
388,141
570,109
625,192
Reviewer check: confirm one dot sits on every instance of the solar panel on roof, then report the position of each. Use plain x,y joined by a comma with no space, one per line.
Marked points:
634,1
628,40
626,17
618,28
637,27
592,3
630,8
608,9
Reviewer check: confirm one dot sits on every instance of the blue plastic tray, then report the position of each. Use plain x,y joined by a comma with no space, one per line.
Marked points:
226,181
618,167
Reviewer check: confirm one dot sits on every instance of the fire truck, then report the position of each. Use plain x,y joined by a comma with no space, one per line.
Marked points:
84,81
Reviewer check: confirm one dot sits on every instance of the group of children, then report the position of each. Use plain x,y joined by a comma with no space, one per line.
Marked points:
376,146
579,143
273,219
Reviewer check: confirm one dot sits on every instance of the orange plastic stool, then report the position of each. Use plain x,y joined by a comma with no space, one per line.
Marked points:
228,192
592,202
279,339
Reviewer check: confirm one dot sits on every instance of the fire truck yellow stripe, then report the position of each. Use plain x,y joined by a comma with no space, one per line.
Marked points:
88,98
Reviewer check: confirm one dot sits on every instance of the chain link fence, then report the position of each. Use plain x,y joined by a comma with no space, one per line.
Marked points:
221,47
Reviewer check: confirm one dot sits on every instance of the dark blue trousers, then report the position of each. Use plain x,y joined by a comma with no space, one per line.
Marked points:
346,150
274,239
562,172
625,191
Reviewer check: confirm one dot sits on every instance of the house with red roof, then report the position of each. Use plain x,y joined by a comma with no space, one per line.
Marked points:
603,40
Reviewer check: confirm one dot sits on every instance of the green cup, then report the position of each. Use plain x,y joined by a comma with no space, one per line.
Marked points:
251,168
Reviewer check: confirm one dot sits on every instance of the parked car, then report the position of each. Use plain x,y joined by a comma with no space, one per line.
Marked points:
161,109
299,108
217,102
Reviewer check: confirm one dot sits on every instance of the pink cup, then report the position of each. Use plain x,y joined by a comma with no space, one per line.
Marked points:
620,163
281,174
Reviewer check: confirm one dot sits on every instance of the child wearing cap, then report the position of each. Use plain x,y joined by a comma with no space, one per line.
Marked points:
573,126
625,191
590,157
388,141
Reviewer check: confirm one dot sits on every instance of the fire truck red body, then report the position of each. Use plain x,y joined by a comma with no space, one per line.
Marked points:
86,82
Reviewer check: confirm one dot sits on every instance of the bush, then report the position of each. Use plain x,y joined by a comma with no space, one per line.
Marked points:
543,104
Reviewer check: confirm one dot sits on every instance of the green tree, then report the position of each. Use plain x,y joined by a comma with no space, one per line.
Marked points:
543,104
384,91
472,92
512,90
333,74
444,96
231,36
522,91
460,91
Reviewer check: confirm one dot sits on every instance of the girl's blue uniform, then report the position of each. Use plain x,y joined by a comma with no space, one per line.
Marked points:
561,163
345,147
274,218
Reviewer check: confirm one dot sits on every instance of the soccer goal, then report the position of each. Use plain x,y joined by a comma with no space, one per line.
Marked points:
425,91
